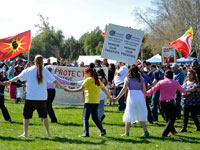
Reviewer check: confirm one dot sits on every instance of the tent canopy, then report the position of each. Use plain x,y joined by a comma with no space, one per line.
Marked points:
52,60
88,59
155,59
186,60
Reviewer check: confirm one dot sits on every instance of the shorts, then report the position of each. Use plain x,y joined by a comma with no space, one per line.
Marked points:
31,105
20,92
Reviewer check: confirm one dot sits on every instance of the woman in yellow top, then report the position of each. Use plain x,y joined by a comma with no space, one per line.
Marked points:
91,86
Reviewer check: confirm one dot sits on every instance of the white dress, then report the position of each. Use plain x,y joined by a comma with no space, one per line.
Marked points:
136,109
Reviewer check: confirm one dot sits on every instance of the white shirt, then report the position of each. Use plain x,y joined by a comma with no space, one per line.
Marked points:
35,91
123,72
102,95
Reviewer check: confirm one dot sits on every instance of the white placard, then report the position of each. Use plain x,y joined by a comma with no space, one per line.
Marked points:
122,44
168,55
73,74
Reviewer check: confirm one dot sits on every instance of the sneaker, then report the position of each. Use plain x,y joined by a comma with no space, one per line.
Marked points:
125,134
103,133
183,130
146,133
83,135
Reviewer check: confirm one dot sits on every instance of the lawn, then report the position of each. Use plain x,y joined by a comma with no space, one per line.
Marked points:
64,135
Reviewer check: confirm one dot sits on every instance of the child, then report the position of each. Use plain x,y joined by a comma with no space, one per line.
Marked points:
103,97
91,87
2,106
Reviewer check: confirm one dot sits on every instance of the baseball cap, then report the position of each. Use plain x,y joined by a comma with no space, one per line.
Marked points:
175,66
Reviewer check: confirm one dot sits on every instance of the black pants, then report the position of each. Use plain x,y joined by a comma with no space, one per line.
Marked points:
121,101
193,111
50,98
178,104
4,109
87,110
150,118
169,110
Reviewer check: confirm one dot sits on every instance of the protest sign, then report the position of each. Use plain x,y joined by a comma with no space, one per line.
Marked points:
73,74
122,44
168,55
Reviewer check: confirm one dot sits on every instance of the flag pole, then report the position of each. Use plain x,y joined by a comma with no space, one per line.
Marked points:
29,48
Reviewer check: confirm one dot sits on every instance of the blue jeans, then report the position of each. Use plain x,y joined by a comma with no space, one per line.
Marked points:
155,106
91,109
100,109
121,103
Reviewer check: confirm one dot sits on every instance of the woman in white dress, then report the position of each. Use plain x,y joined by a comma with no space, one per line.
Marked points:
136,110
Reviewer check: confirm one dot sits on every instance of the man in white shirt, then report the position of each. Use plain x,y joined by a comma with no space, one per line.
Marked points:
120,75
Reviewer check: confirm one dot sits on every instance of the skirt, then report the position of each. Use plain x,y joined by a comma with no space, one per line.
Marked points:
136,110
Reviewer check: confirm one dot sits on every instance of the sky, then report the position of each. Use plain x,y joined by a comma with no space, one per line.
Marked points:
73,17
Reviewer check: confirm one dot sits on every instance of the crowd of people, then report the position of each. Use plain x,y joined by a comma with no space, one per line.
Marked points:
140,91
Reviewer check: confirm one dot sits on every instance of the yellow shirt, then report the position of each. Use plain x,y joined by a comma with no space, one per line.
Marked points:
92,90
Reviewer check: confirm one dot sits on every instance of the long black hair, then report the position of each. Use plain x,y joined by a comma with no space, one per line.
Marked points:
134,72
102,76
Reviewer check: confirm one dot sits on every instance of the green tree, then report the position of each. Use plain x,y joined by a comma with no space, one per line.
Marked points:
93,42
71,49
48,40
167,20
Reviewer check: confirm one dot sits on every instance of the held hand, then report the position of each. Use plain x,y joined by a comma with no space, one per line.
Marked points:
73,83
66,89
6,83
115,100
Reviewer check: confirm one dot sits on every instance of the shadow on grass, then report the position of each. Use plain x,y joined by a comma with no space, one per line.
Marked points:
21,123
128,140
3,138
177,138
70,124
122,125
72,141
114,111
69,107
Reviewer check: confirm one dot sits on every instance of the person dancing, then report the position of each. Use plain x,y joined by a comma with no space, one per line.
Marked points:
168,88
136,110
51,93
91,86
36,78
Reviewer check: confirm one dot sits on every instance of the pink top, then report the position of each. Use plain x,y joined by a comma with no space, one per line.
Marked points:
168,88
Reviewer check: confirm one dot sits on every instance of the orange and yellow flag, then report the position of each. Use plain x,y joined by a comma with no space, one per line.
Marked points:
184,43
14,45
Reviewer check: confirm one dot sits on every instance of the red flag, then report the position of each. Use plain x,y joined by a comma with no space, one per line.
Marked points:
14,45
184,43
104,33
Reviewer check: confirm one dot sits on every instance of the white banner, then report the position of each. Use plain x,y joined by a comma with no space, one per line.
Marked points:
73,74
122,44
168,55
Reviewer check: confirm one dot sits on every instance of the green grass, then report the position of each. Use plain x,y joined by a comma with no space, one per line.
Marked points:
64,135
